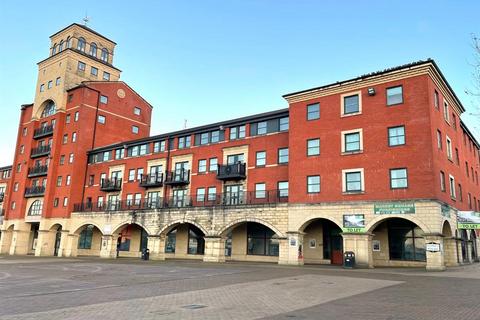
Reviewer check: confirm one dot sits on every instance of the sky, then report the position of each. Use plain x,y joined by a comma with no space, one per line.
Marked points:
207,61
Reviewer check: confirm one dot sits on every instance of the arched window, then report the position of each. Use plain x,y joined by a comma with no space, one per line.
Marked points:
35,208
105,55
85,238
81,44
54,49
49,109
69,42
60,46
93,49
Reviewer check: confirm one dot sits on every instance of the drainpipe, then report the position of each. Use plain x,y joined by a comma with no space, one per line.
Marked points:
167,167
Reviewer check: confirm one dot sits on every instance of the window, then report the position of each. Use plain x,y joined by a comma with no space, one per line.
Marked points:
55,202
74,137
215,136
85,237
260,191
351,104
68,180
104,55
446,112
212,193
457,157
260,158
398,178
313,184
131,175
22,149
200,194
50,84
436,99
103,99
70,158
42,87
101,119
262,128
62,159
24,131
442,181
466,169
184,142
35,208
394,95
313,147
449,148
81,44
352,141
13,205
91,180
54,49
59,181
119,153
213,165
204,138
67,118
237,132
261,240
19,167
282,187
57,81
106,76
94,71
139,174
159,146
283,155
202,166
15,187
313,111
49,109
81,66
137,111
65,139
134,129
283,124
352,180
452,187
405,240
77,114
439,140
93,49
396,136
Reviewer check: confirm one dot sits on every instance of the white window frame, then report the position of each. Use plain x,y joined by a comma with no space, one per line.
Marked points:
344,133
451,181
342,103
344,180
449,148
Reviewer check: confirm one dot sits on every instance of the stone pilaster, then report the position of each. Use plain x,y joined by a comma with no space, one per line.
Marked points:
109,247
435,260
361,245
214,249
156,245
5,241
291,249
71,245
450,252
20,242
45,243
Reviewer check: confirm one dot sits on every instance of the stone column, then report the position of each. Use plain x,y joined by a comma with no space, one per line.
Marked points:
214,249
361,245
20,242
156,245
63,243
109,247
291,249
435,260
45,243
450,252
71,245
6,241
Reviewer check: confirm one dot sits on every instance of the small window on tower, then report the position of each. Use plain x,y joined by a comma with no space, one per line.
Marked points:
94,71
104,99
106,76
135,129
81,66
137,111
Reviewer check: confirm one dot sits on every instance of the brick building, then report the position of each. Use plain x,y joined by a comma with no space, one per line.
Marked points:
379,165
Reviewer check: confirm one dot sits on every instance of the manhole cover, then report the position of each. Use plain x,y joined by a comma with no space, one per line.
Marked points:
194,306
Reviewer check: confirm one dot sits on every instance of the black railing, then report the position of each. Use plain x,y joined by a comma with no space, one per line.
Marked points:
109,185
2,196
36,191
37,171
40,151
177,177
236,171
151,180
43,131
199,200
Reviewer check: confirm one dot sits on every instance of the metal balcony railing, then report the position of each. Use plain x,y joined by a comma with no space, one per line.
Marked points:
177,177
110,185
37,171
40,151
188,201
35,191
151,180
236,171
43,132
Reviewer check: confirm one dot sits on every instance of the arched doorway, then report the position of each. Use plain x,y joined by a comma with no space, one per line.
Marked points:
89,240
132,239
322,242
463,239
184,241
6,240
398,242
58,239
449,245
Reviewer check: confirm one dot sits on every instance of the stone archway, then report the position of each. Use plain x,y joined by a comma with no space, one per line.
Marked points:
130,240
449,244
6,239
322,242
86,240
183,240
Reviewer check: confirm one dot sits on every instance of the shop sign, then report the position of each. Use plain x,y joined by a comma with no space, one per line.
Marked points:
354,223
445,211
394,208
468,220
432,247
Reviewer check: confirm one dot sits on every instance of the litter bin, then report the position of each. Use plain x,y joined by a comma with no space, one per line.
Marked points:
145,254
349,259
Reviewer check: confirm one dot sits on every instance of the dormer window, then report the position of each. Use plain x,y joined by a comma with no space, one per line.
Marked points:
81,44
93,49
104,56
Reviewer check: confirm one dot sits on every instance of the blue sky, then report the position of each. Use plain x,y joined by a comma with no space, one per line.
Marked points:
207,61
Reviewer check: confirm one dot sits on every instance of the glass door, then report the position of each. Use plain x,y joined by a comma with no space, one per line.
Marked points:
233,194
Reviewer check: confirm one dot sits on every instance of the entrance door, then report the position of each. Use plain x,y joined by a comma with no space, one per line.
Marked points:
58,238
233,194
337,250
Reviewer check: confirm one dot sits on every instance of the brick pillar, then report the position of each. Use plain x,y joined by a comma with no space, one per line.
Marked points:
109,247
45,243
435,260
71,245
214,249
361,245
291,249
156,245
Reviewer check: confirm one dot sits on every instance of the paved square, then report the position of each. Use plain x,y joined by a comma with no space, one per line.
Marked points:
33,288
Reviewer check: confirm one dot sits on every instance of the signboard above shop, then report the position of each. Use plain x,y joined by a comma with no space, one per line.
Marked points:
403,207
468,220
353,223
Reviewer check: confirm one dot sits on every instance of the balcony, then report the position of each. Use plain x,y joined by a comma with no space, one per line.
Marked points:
37,171
111,185
227,199
178,178
35,191
236,171
2,197
43,132
40,151
151,180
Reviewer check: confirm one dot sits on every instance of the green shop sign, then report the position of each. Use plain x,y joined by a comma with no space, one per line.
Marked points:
468,220
353,223
394,208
